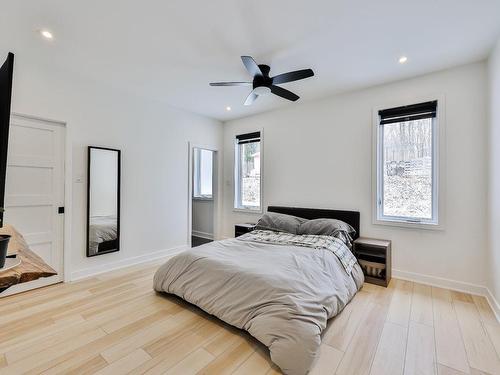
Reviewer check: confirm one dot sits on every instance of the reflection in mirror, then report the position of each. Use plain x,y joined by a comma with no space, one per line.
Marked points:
103,201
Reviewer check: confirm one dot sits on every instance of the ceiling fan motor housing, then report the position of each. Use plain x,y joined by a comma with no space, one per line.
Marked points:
264,79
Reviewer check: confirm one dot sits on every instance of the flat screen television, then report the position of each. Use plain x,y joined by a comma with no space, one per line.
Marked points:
6,73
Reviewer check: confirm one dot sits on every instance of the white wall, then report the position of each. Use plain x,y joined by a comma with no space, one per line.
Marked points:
319,154
154,140
494,175
203,218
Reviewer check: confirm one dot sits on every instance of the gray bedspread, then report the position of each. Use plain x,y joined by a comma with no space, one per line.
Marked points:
282,295
101,229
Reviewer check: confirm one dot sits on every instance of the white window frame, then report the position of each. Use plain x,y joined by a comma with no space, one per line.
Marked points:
438,169
197,177
237,175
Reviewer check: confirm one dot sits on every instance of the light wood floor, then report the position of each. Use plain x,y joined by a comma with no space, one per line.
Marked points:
116,324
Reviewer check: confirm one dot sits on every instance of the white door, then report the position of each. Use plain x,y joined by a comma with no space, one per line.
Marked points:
35,190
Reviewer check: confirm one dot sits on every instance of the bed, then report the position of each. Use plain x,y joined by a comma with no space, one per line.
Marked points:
281,293
102,234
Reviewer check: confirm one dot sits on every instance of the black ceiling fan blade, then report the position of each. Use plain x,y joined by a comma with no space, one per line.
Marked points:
251,98
230,83
292,76
280,91
251,66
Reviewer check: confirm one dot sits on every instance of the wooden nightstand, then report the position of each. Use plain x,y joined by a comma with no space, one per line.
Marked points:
374,256
240,229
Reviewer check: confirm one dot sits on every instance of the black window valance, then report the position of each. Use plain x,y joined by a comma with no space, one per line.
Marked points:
248,138
408,112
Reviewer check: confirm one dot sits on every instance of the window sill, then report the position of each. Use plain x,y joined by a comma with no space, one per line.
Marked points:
202,199
408,224
248,210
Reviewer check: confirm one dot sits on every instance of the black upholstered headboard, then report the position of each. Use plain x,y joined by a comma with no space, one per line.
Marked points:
349,217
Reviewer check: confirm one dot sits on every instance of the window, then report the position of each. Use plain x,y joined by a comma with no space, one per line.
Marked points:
202,176
407,177
247,175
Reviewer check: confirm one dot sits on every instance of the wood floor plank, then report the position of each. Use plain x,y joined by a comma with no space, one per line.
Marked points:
170,354
420,351
47,293
493,331
445,370
10,309
41,344
274,370
149,334
115,313
390,356
89,367
450,349
20,328
37,333
327,362
421,305
134,315
485,311
125,364
361,350
259,363
202,331
399,309
441,294
93,304
104,302
474,371
462,297
84,353
192,364
381,295
480,350
52,352
222,342
230,360
43,310
341,329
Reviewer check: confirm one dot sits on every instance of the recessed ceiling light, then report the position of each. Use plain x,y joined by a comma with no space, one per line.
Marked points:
403,59
228,108
46,34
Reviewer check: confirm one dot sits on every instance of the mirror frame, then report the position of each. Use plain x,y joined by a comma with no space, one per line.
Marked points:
89,150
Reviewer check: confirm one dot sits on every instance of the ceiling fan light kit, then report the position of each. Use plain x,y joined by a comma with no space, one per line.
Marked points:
262,90
263,84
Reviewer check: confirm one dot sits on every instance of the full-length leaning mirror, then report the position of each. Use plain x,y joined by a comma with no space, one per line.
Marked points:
103,201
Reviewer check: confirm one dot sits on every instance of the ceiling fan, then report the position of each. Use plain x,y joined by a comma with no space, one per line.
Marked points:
263,84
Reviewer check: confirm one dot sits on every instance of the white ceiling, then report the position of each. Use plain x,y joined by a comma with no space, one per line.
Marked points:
170,50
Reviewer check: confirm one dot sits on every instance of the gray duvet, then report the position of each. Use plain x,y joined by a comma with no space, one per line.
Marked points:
282,295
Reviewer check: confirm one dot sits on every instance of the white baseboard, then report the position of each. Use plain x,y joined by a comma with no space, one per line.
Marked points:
208,236
103,268
495,306
459,286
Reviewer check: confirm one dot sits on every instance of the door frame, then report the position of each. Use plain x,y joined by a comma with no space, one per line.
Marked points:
216,191
66,243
